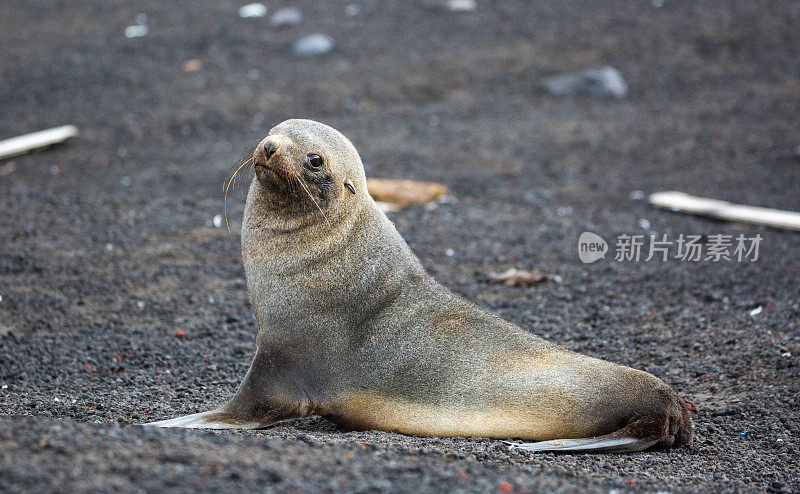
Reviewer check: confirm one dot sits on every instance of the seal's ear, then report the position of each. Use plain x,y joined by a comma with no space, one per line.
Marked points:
349,185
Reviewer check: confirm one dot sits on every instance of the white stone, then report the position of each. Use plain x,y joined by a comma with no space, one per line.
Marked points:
253,10
603,82
313,44
137,31
352,10
462,5
287,16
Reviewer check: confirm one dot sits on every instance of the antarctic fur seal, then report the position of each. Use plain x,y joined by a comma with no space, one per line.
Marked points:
351,327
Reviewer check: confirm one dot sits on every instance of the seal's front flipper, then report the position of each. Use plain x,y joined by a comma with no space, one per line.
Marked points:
215,419
264,398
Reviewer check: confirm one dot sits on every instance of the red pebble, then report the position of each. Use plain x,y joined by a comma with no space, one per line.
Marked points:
88,367
505,487
179,333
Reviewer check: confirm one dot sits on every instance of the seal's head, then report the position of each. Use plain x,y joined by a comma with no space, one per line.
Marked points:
305,168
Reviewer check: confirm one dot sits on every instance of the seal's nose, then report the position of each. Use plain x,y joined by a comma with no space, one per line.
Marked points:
269,149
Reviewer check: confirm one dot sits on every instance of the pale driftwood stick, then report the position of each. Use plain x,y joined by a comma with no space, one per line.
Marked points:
403,193
388,207
29,142
678,201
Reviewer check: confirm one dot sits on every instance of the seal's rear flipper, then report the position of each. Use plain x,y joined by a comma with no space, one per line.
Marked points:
640,434
610,443
215,419
658,431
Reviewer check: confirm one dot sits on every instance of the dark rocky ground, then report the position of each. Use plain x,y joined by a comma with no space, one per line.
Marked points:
107,245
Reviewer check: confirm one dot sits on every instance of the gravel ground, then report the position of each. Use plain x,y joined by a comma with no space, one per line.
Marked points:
107,244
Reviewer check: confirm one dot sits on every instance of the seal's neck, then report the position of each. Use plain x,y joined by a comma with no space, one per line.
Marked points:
321,280
287,241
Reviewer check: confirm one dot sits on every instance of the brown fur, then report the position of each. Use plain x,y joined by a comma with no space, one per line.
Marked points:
351,326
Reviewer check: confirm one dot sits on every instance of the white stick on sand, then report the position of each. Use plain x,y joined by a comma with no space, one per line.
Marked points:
28,142
685,203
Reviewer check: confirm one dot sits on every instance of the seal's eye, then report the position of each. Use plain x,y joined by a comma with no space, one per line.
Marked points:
315,161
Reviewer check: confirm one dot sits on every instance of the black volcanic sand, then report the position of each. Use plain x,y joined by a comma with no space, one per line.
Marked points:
108,245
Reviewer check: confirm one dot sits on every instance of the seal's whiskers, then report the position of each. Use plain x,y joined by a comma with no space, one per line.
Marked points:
233,179
296,176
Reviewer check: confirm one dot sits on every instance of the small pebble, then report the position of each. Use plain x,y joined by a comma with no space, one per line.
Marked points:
109,247
7,169
352,10
603,82
462,5
313,44
645,224
137,31
258,119
287,16
450,252
218,220
179,333
756,311
636,195
125,181
253,10
140,304
521,278
192,65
